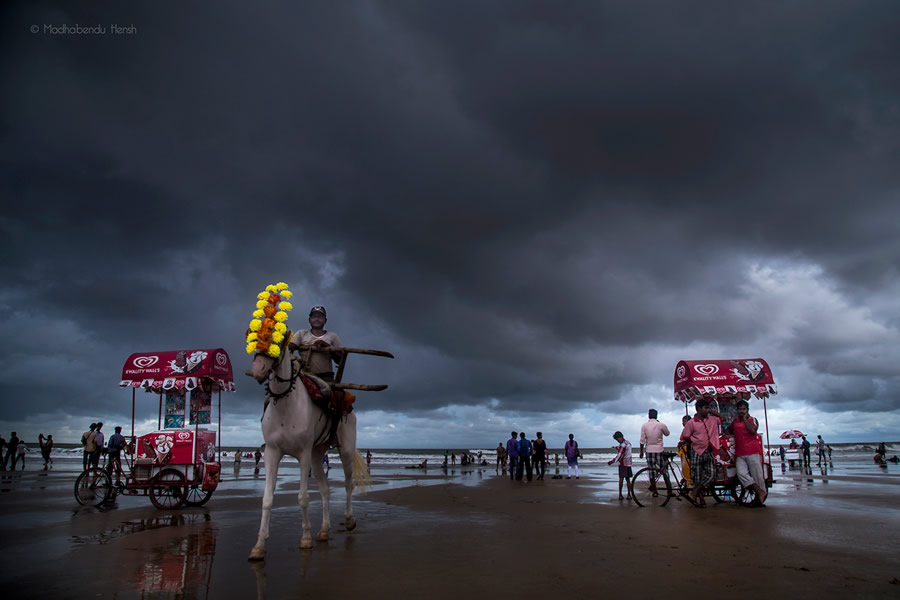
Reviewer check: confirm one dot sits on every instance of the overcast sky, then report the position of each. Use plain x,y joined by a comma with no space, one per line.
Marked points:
538,208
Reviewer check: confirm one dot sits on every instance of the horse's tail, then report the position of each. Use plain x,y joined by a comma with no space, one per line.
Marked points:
361,478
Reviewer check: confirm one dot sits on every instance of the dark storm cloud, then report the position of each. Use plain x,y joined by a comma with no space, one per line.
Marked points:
531,207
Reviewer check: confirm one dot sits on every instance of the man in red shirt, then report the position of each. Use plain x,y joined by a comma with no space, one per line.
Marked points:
703,433
748,446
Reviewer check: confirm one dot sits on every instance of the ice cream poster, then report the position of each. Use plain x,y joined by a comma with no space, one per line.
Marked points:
201,405
174,409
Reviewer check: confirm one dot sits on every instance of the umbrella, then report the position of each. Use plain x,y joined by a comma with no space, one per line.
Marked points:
791,434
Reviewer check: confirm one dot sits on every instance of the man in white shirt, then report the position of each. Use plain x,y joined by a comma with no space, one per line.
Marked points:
319,363
652,433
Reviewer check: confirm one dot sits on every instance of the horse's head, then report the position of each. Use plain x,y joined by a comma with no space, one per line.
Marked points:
262,366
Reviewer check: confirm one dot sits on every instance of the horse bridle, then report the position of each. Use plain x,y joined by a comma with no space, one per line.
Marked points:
295,374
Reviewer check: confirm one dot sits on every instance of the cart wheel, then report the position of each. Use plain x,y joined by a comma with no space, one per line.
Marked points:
168,490
746,495
651,487
196,496
92,488
727,494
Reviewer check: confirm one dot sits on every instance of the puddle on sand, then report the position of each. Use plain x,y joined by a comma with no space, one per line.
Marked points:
137,526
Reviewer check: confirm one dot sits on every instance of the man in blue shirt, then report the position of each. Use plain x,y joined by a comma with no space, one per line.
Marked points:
524,450
512,450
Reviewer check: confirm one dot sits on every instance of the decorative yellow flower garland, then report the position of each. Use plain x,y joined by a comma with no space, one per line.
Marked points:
268,329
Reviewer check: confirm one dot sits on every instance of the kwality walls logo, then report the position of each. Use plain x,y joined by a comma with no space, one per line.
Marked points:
143,365
708,372
144,362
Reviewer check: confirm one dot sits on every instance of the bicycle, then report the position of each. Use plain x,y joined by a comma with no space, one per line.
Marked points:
652,486
95,486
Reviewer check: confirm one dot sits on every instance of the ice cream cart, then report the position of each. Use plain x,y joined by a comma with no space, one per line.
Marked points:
179,463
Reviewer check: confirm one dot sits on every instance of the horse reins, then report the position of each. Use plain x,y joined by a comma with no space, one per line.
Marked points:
295,374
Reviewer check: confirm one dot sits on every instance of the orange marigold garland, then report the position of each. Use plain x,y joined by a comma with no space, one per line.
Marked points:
268,329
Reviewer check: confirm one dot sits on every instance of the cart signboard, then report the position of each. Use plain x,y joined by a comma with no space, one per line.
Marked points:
729,378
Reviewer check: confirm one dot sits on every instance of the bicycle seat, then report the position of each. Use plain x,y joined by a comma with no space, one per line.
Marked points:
669,455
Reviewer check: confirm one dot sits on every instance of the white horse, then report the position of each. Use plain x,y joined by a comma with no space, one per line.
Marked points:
292,425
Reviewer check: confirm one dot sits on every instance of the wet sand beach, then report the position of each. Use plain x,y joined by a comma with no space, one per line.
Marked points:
466,533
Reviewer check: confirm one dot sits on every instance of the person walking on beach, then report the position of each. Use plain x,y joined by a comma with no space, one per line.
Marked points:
652,433
524,451
748,452
114,452
807,458
623,457
46,445
572,455
21,449
820,449
501,457
84,442
703,434
12,446
540,453
512,451
99,440
3,455
258,455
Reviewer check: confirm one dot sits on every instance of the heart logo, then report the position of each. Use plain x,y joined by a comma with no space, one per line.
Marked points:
184,435
142,362
707,369
221,359
680,371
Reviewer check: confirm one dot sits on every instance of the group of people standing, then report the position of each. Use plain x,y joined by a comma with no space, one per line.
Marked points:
700,442
93,441
528,458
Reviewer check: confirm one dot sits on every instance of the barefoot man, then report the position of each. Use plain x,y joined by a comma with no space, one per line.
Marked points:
703,433
748,446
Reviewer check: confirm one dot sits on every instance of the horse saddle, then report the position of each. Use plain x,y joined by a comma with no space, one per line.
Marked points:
326,398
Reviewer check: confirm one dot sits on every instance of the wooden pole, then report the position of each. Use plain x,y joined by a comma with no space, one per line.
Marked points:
133,444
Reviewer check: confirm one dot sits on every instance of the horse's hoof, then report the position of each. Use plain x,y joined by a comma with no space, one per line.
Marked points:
306,543
257,554
350,523
322,537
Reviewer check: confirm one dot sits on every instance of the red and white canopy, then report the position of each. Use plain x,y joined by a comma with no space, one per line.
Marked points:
178,370
726,378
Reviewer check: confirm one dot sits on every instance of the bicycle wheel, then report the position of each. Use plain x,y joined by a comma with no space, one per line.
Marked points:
92,488
165,492
196,496
651,487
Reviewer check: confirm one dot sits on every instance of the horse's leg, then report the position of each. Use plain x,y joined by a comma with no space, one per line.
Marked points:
273,457
303,496
318,470
347,437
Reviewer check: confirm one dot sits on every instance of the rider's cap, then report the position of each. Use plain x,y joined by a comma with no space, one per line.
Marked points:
319,309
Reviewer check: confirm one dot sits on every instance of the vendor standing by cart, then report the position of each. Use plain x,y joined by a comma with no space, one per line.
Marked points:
703,433
749,451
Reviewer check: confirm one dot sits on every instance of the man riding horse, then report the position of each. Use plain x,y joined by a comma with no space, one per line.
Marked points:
320,363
